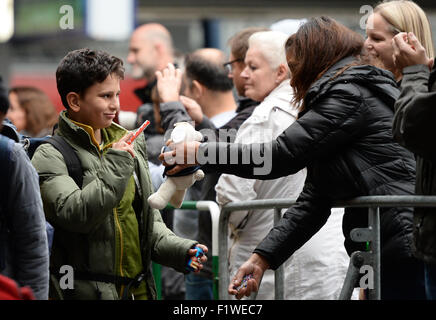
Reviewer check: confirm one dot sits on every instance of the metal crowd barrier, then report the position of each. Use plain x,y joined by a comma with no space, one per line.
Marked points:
357,259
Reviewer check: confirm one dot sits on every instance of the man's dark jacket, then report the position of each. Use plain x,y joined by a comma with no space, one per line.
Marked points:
344,138
414,127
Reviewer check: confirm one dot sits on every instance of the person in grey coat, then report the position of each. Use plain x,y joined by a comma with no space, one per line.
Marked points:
24,254
414,128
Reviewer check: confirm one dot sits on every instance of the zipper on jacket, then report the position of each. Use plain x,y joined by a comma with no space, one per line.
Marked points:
118,226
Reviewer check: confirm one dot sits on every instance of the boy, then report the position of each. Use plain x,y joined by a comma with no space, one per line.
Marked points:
105,230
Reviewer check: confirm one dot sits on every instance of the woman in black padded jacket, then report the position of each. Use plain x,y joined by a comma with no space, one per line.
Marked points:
344,138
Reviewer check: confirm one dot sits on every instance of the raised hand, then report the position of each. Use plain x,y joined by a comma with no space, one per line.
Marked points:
408,51
169,81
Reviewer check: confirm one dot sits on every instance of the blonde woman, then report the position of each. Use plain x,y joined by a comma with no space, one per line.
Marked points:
388,19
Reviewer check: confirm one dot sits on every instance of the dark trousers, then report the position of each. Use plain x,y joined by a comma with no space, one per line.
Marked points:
403,280
430,281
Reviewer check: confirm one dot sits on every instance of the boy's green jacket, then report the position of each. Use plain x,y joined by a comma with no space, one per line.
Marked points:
107,227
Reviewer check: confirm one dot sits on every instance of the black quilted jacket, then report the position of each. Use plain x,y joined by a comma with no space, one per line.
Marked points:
344,139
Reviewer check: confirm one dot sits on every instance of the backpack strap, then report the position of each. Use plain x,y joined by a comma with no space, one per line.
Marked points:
70,156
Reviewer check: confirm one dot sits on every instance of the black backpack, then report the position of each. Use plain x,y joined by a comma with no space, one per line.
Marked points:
71,159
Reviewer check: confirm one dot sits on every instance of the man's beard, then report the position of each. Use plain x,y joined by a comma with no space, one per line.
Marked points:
149,73
137,72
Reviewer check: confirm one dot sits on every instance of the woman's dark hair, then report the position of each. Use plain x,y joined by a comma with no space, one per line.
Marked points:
317,46
82,68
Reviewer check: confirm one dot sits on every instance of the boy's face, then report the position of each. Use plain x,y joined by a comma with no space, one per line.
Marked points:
99,103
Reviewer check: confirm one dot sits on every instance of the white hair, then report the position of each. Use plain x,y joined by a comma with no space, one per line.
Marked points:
271,44
288,26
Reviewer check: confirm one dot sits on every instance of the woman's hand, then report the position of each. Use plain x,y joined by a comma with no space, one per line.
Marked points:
123,145
408,51
183,155
254,268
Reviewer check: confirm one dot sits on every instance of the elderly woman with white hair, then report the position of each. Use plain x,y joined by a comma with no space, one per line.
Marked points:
316,270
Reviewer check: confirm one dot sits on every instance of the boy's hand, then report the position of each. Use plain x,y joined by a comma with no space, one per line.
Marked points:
202,259
169,81
123,145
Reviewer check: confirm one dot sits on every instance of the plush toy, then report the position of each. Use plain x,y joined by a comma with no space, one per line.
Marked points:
173,189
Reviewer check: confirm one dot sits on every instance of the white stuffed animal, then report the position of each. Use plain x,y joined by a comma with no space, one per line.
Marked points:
173,189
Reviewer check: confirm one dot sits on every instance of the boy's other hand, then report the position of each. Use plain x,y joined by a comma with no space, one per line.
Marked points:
192,252
123,145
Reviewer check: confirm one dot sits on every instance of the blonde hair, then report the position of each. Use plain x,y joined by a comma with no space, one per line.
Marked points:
407,16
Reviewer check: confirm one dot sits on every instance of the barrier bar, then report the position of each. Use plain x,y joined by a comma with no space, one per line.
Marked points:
373,203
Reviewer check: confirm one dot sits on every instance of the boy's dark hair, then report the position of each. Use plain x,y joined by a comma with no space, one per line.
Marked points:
4,100
210,74
82,68
239,42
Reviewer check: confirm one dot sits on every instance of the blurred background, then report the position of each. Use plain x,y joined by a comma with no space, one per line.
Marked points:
36,34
